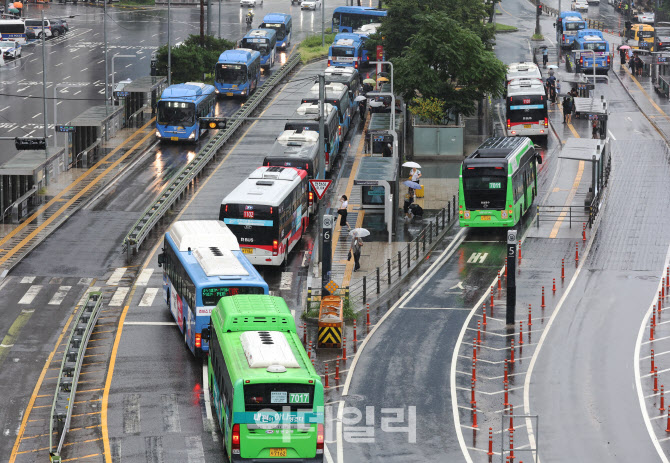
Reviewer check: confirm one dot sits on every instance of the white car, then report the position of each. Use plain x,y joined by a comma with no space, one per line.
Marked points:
580,5
10,49
310,4
646,18
250,2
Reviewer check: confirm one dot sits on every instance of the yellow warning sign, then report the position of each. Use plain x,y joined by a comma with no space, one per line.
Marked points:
332,287
330,336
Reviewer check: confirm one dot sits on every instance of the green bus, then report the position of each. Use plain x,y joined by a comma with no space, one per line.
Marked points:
498,182
267,396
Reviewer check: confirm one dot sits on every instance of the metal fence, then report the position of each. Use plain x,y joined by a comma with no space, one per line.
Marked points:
180,183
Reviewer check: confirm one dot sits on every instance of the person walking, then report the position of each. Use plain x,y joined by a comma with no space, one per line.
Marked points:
595,130
631,64
639,65
387,152
415,175
355,249
342,211
551,88
622,55
545,57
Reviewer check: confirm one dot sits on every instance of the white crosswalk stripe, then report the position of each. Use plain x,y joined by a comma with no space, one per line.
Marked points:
148,298
116,276
143,279
28,280
286,279
85,281
119,296
57,298
30,294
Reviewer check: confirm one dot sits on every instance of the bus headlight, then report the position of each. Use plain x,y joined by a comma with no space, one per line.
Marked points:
192,136
467,214
503,214
158,134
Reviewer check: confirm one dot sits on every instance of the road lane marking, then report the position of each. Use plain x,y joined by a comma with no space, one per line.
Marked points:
13,333
30,294
119,296
286,280
57,298
150,323
143,279
435,308
116,276
148,298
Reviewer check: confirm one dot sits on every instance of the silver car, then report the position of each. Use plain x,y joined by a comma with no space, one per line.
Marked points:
310,4
250,2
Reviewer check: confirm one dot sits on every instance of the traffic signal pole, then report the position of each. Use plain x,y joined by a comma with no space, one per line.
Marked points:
537,18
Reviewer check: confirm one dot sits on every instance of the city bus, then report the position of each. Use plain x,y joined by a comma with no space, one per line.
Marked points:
346,50
268,213
571,26
350,18
347,76
263,41
267,396
641,35
498,182
202,263
520,70
592,39
526,108
238,72
283,26
338,95
180,108
13,29
562,16
301,151
365,32
305,118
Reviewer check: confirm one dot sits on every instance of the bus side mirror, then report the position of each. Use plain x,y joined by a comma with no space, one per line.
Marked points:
161,259
538,158
205,334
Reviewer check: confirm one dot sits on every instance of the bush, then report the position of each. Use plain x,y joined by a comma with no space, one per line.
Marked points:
190,61
311,48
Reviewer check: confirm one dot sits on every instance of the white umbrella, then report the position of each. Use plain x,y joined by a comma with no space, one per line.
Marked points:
360,98
360,232
552,66
376,104
412,164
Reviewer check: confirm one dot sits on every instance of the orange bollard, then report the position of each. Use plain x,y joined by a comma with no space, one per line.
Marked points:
499,281
304,333
584,232
367,314
655,379
511,418
662,408
474,352
505,379
484,314
576,251
519,250
474,370
490,452
491,295
530,313
511,446
344,345
474,416
662,289
667,426
520,333
326,374
554,286
659,311
651,331
472,395
562,269
543,306
653,318
309,351
505,269
512,352
652,361
506,388
479,331
355,338
667,277
337,369
660,303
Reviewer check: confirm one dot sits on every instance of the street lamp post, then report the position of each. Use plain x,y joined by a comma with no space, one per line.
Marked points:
323,22
169,67
44,87
113,58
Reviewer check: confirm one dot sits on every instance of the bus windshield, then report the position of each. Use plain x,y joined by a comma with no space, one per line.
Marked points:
484,188
645,34
211,296
343,51
574,26
279,28
231,73
254,227
278,396
595,46
175,113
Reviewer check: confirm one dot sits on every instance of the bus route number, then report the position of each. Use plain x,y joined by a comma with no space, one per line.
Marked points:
248,214
298,398
495,185
526,101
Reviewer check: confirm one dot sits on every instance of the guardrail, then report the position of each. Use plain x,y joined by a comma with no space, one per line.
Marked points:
175,189
61,407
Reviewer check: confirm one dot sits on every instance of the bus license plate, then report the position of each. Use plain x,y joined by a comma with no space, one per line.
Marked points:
278,452
174,138
229,94
247,250
485,217
526,126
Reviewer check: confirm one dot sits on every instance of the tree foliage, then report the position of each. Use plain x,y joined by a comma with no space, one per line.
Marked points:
428,109
190,61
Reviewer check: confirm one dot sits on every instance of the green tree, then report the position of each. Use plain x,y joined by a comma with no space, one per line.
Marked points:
428,109
190,61
446,61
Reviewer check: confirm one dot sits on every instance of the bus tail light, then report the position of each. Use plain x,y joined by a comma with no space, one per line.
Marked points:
339,130
275,248
328,62
198,340
563,38
546,122
327,158
509,124
356,65
235,439
311,198
319,438
581,61
608,60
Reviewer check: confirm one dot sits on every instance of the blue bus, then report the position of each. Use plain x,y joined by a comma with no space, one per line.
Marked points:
350,18
338,95
592,39
238,72
180,108
346,50
562,16
282,24
571,26
263,41
202,263
365,32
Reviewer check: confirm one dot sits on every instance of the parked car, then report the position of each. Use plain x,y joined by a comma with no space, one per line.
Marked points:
58,27
310,4
35,25
10,49
646,18
580,5
250,2
662,43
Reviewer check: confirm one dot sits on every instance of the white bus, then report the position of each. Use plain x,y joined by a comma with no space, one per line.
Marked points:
306,118
337,94
268,213
521,70
13,29
526,108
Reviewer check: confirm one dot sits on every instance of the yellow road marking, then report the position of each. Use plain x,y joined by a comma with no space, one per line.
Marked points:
69,187
644,92
48,221
568,202
13,333
82,458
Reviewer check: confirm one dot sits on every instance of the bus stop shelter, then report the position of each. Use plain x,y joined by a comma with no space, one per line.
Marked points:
378,180
597,152
140,94
594,110
87,131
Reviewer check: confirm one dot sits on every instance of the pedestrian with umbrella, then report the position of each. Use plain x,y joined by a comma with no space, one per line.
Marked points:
357,245
362,107
623,52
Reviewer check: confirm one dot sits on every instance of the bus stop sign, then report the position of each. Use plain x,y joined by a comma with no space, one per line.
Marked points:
320,187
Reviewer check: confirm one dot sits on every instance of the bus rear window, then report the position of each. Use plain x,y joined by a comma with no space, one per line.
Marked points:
342,51
484,188
298,163
574,26
211,296
277,397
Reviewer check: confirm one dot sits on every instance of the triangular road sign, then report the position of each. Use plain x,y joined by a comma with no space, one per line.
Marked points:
320,187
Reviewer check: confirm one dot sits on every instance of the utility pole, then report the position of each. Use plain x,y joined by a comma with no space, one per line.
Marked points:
219,18
323,27
202,22
104,33
209,17
44,89
169,69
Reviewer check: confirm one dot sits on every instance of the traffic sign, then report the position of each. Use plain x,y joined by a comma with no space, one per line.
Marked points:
30,143
332,287
65,128
320,187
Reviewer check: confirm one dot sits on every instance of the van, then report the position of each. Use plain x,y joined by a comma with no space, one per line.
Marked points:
35,25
